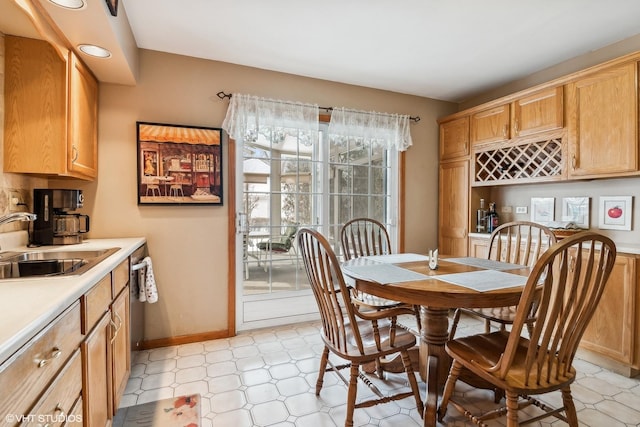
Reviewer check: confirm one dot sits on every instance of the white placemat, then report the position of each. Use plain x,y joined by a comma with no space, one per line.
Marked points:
488,264
397,258
484,280
383,273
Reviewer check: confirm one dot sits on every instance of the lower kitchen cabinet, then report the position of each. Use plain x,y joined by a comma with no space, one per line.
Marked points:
96,389
121,346
611,339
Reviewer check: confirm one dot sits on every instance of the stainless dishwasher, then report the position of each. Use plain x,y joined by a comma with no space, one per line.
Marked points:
136,308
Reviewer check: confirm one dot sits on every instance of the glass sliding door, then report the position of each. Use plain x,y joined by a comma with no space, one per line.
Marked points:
287,184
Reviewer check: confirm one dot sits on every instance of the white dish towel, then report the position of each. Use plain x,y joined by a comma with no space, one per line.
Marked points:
147,283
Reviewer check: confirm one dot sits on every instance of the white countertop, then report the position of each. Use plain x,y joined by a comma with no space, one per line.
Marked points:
623,248
28,305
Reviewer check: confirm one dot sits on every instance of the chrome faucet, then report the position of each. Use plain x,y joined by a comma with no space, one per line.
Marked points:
17,216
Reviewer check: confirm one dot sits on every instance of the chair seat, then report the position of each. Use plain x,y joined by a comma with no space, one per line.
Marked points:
497,314
403,340
274,246
485,350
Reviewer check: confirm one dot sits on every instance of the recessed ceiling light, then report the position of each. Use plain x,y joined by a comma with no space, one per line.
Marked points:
93,50
69,4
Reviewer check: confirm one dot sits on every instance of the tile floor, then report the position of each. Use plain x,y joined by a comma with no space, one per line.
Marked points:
267,378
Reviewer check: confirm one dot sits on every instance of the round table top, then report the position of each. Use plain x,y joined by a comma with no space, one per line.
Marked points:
438,293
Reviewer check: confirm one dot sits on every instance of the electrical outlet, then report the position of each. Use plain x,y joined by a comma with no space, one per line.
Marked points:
506,209
521,209
16,201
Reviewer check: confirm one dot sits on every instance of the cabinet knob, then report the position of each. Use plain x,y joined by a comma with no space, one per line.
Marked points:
55,353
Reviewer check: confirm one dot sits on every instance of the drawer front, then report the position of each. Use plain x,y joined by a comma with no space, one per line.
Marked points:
95,303
59,399
29,372
120,277
75,415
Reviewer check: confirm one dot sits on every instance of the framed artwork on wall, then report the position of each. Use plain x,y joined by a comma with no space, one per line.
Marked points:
576,210
542,209
179,165
615,212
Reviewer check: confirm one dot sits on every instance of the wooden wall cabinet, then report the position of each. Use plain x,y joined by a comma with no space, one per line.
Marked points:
453,207
454,138
602,115
537,112
51,115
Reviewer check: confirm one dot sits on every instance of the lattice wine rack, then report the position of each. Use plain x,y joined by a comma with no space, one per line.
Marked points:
530,161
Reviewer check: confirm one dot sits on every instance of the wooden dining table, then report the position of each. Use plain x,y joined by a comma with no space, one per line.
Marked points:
436,292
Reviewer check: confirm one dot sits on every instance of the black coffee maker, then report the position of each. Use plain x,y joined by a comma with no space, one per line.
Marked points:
56,224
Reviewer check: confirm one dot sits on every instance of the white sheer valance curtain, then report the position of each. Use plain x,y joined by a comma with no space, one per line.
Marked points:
391,131
249,117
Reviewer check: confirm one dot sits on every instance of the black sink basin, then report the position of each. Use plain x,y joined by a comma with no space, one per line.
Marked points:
46,263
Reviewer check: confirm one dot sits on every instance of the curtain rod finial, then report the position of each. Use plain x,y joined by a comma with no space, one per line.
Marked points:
223,95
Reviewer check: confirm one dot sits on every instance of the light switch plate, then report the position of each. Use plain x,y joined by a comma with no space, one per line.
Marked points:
521,209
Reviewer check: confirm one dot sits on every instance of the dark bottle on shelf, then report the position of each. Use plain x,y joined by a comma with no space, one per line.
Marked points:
493,220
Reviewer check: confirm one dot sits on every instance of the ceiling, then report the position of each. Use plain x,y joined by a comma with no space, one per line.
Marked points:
443,49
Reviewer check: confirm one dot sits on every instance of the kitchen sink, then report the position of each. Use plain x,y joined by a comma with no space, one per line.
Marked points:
50,263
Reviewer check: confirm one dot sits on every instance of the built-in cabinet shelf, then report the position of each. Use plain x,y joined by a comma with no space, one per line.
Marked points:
520,162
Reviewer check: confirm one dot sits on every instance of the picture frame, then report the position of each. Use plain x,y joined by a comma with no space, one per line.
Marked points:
113,7
179,165
615,212
576,210
543,209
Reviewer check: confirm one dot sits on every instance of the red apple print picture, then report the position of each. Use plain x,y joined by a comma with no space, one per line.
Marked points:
616,212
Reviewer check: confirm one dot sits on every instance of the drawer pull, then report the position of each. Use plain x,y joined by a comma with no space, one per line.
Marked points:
56,417
55,353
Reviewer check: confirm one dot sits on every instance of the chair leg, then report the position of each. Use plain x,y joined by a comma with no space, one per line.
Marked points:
408,368
449,386
351,394
569,407
512,409
454,323
487,326
322,369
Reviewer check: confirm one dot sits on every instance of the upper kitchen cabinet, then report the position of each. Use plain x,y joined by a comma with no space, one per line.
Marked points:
454,138
490,125
537,112
51,111
602,116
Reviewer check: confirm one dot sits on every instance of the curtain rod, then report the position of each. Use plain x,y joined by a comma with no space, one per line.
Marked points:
223,95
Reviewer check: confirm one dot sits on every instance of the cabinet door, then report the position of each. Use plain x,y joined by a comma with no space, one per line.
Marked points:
454,138
602,123
453,208
478,247
35,100
121,346
491,125
611,331
96,370
82,148
539,112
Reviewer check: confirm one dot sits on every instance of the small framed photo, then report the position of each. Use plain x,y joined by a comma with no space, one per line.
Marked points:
615,212
576,210
542,209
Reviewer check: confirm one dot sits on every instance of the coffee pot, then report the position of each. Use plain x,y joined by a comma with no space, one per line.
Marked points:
56,224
